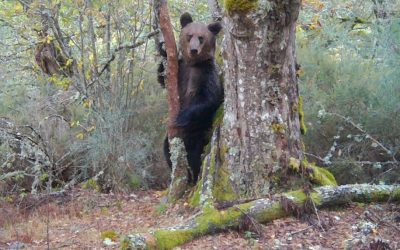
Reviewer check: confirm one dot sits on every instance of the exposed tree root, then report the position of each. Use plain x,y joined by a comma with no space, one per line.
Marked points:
211,220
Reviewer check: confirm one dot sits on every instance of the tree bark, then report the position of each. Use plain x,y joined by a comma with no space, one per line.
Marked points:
215,10
261,210
172,71
261,127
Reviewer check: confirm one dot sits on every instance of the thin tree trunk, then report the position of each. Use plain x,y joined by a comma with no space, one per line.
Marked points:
172,71
95,72
176,146
82,52
107,41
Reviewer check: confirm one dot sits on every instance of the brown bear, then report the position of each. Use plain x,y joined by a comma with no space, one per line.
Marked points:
200,92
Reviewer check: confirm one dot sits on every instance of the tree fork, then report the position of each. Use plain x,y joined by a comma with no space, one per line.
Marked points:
262,210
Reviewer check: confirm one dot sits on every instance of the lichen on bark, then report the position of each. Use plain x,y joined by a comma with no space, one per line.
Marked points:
261,126
179,169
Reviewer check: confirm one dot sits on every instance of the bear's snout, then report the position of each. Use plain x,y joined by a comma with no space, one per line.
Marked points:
194,51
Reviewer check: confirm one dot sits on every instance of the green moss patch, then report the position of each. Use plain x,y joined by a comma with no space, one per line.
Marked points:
396,194
222,190
316,174
218,117
195,199
168,239
241,6
274,212
322,176
299,197
112,235
92,185
303,127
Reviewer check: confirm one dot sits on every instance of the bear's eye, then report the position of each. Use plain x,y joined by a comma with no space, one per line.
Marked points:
189,37
201,39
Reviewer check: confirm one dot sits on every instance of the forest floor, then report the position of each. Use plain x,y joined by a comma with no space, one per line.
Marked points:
83,219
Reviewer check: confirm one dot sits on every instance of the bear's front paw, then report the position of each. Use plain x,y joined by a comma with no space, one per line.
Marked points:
183,119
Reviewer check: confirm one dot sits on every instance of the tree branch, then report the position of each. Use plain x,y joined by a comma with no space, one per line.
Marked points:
121,47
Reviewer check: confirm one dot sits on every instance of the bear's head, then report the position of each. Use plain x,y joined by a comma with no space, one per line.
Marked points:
197,40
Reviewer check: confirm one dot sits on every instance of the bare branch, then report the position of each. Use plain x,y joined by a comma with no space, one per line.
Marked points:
121,47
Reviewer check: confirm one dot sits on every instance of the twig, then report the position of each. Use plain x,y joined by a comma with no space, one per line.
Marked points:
315,156
301,230
349,121
376,219
255,223
316,213
121,47
383,173
355,162
12,174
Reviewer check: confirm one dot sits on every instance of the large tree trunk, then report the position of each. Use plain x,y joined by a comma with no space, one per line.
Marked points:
256,149
261,127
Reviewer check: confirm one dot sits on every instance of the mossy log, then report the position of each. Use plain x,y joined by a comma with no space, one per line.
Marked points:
211,220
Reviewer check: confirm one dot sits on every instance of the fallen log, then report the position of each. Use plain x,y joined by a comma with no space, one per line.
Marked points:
211,220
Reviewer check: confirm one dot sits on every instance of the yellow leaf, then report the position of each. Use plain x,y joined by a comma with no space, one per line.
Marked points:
49,39
69,62
91,129
299,29
91,58
86,103
18,8
79,65
300,72
141,85
80,136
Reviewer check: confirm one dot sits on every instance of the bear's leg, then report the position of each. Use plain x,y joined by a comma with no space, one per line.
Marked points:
194,150
167,153
161,74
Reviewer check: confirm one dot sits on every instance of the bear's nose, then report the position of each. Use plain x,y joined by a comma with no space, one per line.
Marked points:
193,51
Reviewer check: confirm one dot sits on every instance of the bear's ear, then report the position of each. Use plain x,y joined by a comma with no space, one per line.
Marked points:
186,18
215,28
